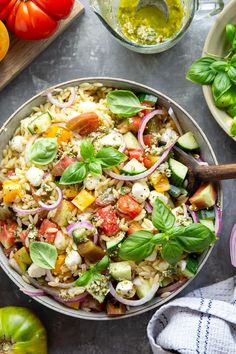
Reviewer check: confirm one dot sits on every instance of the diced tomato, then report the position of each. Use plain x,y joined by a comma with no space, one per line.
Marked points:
47,229
136,154
23,236
148,139
60,167
84,123
128,206
133,227
7,233
109,220
149,160
147,104
134,124
115,309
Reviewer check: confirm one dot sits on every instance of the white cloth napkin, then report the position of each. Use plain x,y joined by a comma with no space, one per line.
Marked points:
203,322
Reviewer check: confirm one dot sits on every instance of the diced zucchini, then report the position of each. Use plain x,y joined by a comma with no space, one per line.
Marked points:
23,259
133,167
191,267
142,286
178,172
64,213
131,141
175,191
40,124
206,214
209,224
120,270
114,242
145,97
79,234
188,142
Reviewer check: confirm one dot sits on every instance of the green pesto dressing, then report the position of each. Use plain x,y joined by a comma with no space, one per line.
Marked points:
148,25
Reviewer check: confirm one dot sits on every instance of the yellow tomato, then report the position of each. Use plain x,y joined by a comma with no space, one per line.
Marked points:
63,135
11,190
4,41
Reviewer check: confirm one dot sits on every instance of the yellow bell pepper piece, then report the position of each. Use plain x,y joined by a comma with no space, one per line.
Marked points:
59,263
11,190
162,185
63,135
83,200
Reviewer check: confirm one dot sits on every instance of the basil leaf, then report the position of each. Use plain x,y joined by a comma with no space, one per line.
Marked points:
227,99
110,157
137,247
195,238
233,60
200,71
172,252
43,254
162,217
124,103
43,151
230,32
220,85
232,110
95,167
75,173
87,149
219,65
102,264
84,279
232,74
233,127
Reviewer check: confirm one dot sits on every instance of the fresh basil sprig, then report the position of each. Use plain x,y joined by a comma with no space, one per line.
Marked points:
124,103
92,162
174,240
43,254
93,271
43,151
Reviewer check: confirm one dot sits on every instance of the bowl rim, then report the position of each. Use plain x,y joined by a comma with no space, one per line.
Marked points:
48,301
217,113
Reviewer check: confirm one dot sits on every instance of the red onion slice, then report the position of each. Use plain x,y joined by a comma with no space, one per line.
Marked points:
140,302
172,287
194,215
143,125
218,220
82,224
51,278
148,207
27,212
32,293
78,298
67,104
233,246
144,174
56,204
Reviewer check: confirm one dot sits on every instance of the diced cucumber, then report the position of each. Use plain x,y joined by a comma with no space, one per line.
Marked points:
188,142
209,224
175,191
114,242
142,286
206,214
191,267
40,124
145,97
178,172
133,167
131,141
120,270
79,234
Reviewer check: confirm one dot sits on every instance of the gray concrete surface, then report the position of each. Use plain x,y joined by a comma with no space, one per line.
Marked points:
87,49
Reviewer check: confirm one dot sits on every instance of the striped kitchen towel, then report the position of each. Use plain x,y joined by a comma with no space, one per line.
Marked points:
203,322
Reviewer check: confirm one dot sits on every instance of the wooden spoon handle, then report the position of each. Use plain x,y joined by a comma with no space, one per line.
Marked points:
216,172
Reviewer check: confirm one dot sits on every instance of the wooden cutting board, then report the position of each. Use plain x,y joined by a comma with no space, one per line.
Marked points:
22,53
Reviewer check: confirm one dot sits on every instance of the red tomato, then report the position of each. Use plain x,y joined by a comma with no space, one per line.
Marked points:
128,206
146,104
148,139
84,123
34,19
46,230
109,220
23,236
136,154
134,123
60,167
7,233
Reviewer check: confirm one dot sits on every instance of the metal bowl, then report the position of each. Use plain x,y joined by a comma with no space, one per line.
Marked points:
186,122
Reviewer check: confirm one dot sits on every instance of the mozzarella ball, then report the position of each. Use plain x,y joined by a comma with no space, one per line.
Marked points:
60,241
169,135
125,289
34,175
91,182
140,191
35,271
72,260
17,143
113,139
